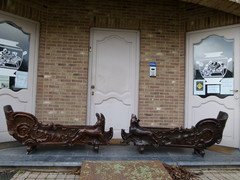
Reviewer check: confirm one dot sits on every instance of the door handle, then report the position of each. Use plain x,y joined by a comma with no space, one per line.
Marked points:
92,87
234,90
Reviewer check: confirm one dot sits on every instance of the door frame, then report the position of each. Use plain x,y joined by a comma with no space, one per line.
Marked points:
90,70
32,76
29,105
189,64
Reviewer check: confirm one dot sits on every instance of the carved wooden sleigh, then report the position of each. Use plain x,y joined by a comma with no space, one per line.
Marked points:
206,133
26,129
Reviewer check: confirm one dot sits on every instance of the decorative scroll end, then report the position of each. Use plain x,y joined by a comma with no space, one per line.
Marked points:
206,133
26,128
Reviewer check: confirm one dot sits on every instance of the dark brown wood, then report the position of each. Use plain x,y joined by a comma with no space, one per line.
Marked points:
26,128
206,133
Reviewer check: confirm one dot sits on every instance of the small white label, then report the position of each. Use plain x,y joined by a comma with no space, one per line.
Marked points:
153,72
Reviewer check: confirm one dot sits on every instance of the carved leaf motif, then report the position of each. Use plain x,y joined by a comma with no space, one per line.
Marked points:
27,129
206,133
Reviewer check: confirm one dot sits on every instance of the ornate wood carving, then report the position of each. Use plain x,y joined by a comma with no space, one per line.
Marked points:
206,133
26,128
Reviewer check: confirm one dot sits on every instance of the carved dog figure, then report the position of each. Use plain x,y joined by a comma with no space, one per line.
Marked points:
26,128
206,133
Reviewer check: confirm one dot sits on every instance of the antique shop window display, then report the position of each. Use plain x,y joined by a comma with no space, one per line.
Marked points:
14,56
213,67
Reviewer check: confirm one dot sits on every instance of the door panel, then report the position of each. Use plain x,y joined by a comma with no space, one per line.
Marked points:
212,79
210,109
18,66
17,103
113,83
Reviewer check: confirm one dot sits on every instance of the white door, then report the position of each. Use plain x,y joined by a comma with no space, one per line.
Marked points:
212,78
113,77
18,66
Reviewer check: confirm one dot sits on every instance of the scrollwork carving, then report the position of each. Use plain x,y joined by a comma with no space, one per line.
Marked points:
206,133
25,128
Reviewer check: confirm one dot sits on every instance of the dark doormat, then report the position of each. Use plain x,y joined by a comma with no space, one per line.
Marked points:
123,170
7,174
117,142
222,149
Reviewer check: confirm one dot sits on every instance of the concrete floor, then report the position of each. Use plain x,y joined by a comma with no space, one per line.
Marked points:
51,162
58,156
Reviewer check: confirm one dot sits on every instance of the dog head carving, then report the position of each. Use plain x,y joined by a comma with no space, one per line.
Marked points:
134,121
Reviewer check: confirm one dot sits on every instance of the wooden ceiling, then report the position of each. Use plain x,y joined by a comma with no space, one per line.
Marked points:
229,6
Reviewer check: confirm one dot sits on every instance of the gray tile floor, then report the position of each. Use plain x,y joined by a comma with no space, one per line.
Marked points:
59,156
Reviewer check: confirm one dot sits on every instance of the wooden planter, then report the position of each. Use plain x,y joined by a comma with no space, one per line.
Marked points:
206,133
26,129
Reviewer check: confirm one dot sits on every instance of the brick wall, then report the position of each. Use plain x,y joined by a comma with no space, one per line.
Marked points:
63,54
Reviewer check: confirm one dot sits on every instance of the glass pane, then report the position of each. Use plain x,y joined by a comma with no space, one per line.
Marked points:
213,67
14,56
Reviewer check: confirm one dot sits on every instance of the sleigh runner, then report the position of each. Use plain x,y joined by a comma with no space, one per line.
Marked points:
206,133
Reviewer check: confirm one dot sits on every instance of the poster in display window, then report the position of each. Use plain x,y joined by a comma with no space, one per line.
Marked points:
14,56
214,64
